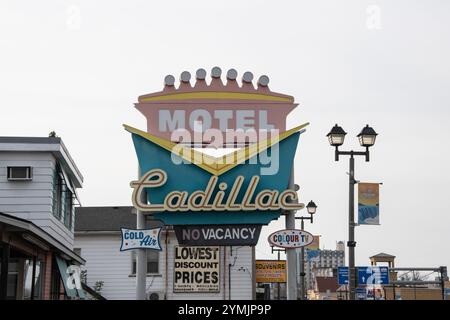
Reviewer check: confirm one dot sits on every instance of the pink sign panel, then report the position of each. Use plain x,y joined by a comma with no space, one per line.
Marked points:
215,114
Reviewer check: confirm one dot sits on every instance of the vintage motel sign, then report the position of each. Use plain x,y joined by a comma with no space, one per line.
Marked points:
187,188
220,106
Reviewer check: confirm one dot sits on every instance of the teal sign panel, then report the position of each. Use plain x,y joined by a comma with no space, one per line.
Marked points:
189,177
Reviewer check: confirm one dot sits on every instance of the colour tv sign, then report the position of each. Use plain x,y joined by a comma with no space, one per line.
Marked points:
184,178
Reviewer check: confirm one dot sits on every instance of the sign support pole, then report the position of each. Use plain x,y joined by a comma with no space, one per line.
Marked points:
290,253
141,257
302,268
351,231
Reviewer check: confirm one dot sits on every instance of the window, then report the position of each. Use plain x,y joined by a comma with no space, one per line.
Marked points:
62,199
19,173
12,279
68,205
152,261
30,284
57,194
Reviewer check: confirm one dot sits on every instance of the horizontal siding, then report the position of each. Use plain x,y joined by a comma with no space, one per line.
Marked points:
18,208
25,163
44,178
32,200
43,215
104,262
58,230
17,156
27,193
25,185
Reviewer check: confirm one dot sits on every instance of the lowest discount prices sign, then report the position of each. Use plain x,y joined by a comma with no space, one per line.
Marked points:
196,269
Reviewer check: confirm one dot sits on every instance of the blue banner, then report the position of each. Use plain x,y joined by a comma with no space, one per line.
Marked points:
368,203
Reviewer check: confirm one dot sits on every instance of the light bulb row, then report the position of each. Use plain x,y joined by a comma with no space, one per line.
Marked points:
216,73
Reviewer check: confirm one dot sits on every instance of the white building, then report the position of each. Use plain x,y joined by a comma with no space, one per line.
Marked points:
38,182
98,240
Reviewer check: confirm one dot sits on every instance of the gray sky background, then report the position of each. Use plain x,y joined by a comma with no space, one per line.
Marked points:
77,67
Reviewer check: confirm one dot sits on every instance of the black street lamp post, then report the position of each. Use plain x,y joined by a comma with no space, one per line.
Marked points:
311,208
367,138
278,284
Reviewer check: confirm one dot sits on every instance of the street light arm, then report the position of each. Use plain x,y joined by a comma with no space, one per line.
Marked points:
351,153
304,218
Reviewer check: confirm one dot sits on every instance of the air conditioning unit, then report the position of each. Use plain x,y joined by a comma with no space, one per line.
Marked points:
19,173
156,295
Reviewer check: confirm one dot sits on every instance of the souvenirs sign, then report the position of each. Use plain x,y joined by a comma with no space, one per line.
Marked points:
290,238
196,269
225,235
140,239
269,271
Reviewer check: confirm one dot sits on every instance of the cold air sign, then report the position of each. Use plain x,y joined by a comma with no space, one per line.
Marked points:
140,239
196,269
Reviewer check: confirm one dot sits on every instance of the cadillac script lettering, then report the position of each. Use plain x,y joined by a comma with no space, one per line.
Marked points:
203,200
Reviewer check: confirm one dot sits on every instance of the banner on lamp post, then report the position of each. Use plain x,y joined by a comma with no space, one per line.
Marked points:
368,203
315,244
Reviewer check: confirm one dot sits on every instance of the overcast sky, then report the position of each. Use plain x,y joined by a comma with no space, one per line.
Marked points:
77,67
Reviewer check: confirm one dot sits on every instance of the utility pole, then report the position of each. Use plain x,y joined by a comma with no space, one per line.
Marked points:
367,138
302,269
351,230
291,260
278,284
141,254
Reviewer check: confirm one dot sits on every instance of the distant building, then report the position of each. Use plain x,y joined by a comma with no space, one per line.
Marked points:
340,246
321,263
407,284
97,240
38,182
325,288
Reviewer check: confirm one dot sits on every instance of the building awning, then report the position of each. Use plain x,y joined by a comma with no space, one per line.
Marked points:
25,225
